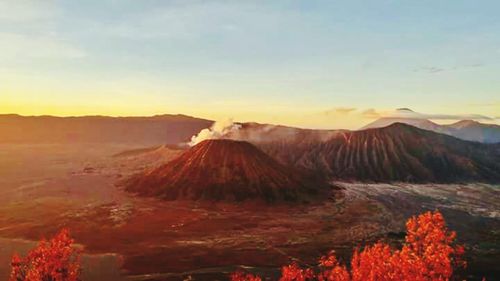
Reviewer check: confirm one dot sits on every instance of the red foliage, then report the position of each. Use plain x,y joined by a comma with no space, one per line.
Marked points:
431,245
241,276
428,254
332,269
376,262
53,260
293,272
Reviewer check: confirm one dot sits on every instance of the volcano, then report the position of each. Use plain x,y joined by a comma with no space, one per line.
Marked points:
396,153
226,170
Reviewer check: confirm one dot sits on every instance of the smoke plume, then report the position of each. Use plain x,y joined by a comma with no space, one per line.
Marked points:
218,130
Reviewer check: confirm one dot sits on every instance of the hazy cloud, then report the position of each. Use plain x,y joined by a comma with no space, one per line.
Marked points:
340,110
370,113
345,110
429,69
407,113
436,69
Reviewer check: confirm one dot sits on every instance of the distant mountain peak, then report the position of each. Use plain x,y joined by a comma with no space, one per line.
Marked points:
416,122
464,123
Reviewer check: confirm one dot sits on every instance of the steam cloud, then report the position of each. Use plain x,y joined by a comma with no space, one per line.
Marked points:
218,130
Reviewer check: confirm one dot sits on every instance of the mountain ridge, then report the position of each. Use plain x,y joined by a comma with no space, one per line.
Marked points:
398,152
140,130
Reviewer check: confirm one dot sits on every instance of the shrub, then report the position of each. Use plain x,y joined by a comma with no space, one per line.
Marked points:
53,260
